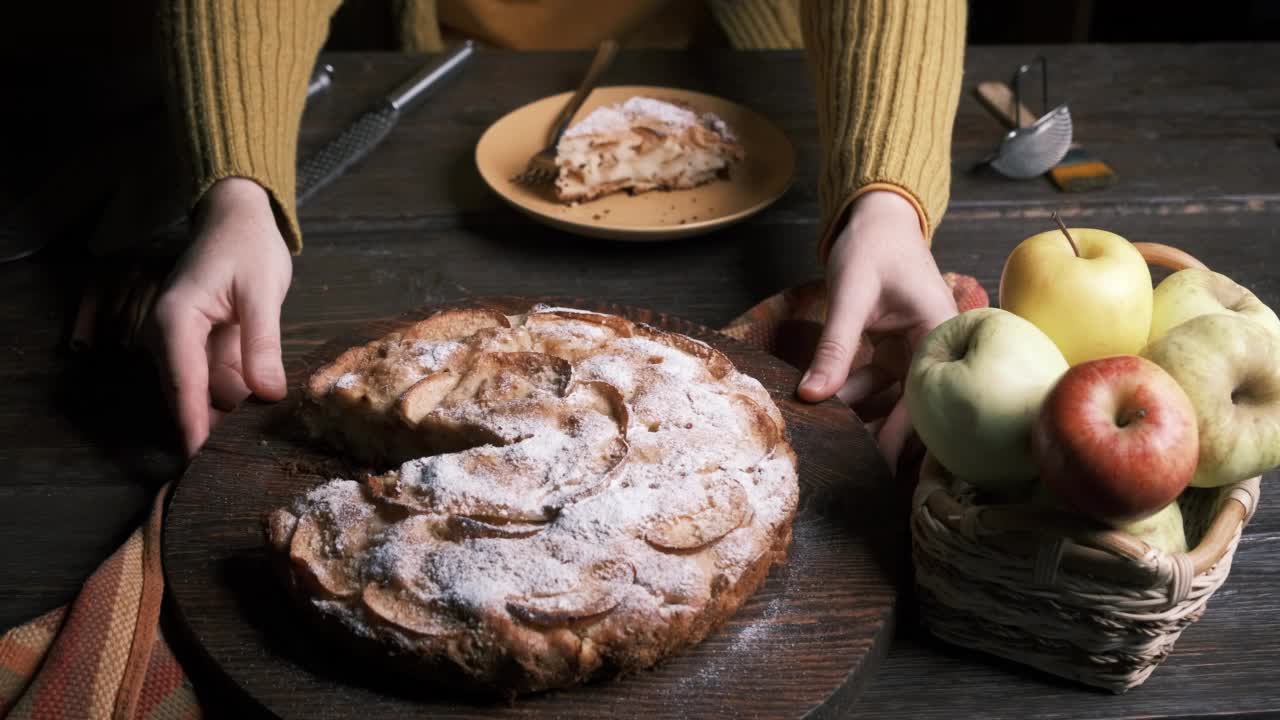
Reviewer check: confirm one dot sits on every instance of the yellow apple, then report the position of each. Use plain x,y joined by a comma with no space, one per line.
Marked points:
1088,290
1193,292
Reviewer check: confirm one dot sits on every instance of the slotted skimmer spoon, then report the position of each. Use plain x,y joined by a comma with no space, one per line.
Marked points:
1032,149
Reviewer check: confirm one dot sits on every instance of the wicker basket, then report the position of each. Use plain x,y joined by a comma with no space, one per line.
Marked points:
1049,590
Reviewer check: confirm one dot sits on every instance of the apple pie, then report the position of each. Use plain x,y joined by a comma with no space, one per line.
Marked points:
559,496
640,145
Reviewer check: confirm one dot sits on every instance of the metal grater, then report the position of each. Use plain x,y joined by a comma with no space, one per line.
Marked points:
373,126
345,150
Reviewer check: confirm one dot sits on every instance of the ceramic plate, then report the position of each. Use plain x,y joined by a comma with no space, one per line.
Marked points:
762,177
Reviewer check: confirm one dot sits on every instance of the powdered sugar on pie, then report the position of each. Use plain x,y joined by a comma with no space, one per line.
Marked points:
569,495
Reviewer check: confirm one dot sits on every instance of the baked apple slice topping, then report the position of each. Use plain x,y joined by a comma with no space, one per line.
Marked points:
405,613
572,335
588,602
312,552
705,517
461,527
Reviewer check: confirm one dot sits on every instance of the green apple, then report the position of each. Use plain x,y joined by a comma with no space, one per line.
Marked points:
1229,367
1163,531
1194,292
973,391
1089,290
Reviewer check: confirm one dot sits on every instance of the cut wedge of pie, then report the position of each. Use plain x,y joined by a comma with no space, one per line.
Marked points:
640,145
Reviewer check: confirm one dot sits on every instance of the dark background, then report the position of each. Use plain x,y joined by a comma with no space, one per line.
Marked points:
995,22
364,23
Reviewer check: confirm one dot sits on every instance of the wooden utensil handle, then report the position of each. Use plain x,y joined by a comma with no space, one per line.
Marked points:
998,98
1166,256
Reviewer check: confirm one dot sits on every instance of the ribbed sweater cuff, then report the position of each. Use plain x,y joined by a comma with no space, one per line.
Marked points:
239,71
841,215
887,79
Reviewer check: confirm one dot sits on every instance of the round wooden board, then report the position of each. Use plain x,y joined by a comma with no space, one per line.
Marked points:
803,645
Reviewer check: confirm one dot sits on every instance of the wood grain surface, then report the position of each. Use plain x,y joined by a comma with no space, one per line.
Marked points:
1190,129
804,644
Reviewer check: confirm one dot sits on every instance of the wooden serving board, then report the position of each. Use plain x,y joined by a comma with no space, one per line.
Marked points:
803,645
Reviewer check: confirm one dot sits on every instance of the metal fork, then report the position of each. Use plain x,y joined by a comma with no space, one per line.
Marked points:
541,168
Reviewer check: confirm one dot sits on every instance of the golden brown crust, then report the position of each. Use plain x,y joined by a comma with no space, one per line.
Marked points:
389,353
717,364
597,495
455,323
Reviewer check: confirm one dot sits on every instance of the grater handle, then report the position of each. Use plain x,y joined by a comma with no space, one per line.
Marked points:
418,84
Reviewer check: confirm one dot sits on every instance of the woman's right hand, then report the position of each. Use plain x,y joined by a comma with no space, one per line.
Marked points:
881,279
215,330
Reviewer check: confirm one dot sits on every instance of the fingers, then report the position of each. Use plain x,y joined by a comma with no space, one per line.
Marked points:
226,375
889,360
873,427
894,433
895,356
879,405
863,383
933,309
846,317
182,332
259,313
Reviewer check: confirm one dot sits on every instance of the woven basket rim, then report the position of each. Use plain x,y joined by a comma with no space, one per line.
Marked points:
1095,548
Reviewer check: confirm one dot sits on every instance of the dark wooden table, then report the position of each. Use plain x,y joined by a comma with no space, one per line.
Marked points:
1192,130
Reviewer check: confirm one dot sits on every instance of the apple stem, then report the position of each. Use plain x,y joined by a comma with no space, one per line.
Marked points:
1137,415
1074,248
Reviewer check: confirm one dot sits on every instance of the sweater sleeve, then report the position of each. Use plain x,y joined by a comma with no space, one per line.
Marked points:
887,78
237,86
759,24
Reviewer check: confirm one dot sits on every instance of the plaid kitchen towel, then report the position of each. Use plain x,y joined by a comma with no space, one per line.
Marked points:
102,656
105,654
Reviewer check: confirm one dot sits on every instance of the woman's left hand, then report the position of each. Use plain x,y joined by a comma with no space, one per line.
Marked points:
881,279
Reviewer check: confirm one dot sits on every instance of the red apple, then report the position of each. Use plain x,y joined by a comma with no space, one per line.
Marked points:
1116,439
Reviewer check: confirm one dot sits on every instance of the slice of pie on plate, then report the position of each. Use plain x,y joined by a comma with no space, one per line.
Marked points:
640,145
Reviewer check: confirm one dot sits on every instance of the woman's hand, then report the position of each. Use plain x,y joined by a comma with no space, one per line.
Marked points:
216,327
882,279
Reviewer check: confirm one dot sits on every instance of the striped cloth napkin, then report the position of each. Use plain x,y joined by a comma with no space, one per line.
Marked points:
105,655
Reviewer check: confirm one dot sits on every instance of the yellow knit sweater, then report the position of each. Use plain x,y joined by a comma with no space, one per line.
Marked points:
886,74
